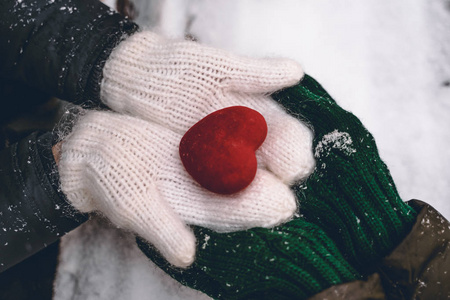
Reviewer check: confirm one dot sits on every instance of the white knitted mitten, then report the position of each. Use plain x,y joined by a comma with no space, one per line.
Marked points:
129,170
176,83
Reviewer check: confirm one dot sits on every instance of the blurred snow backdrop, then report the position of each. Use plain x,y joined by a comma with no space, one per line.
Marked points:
388,62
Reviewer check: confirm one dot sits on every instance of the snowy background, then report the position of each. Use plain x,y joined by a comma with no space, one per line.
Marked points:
388,62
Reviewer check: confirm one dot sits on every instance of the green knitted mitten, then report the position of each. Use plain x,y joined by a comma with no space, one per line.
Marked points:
293,261
351,194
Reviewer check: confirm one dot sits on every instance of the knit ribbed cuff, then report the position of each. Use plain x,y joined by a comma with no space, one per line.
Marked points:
351,194
293,261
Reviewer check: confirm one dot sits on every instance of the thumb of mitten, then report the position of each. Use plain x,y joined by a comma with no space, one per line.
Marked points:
260,75
102,168
158,224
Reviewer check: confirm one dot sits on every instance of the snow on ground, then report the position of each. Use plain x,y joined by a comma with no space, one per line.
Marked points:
386,61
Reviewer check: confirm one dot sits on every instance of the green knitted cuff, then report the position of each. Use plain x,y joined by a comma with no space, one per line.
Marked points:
293,261
351,194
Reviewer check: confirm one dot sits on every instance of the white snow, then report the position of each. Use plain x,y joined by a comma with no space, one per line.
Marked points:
335,140
386,61
99,261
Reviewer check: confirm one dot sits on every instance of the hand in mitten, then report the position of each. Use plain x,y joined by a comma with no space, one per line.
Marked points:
350,194
294,261
130,171
176,83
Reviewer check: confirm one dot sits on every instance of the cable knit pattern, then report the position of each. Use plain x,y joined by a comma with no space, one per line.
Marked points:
129,170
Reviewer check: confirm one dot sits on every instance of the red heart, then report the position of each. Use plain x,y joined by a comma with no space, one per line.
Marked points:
219,150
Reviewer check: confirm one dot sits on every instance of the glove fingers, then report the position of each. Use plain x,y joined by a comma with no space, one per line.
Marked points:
310,101
266,202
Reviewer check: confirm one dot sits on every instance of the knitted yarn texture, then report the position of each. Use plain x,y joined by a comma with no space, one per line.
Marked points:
351,194
129,170
292,261
176,83
351,216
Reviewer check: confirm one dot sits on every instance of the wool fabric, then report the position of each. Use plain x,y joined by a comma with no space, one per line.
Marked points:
292,261
176,83
351,194
350,217
129,170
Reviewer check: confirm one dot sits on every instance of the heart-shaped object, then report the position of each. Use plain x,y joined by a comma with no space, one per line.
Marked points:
219,150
